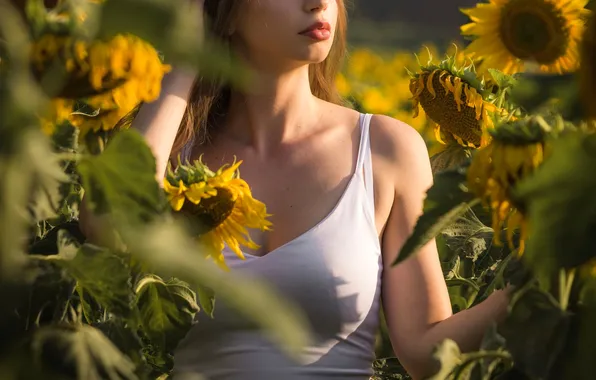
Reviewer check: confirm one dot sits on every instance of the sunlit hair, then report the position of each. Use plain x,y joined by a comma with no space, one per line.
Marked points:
209,98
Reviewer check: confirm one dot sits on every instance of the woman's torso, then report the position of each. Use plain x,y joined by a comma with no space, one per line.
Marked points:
327,262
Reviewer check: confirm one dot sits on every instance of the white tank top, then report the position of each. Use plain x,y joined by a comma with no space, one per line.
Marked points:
332,272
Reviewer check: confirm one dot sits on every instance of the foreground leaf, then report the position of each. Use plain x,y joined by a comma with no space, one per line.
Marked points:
206,299
176,30
449,158
77,352
535,332
456,365
450,357
121,180
167,310
101,274
446,201
561,206
173,253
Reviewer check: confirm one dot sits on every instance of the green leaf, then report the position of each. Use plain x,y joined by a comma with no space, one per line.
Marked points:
553,92
206,299
577,357
77,352
121,180
468,236
101,274
23,172
503,80
171,252
47,298
124,338
449,158
449,356
47,179
446,201
535,331
167,310
561,207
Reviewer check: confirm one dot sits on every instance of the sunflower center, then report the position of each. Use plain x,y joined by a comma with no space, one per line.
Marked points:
534,29
210,212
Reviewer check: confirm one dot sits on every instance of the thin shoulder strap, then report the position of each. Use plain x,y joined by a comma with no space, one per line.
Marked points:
364,163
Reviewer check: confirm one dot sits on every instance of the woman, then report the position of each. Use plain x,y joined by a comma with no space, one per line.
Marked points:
344,189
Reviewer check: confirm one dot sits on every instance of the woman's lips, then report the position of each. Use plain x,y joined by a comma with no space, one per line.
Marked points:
319,31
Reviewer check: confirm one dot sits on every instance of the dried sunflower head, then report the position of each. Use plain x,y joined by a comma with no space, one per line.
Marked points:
454,99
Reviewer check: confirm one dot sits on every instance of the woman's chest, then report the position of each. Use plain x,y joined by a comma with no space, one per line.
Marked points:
301,185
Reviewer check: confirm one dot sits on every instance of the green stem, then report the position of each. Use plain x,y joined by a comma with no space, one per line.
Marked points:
477,356
67,156
501,99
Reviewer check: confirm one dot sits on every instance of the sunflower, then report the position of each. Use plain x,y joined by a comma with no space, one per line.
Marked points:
219,206
516,150
588,69
110,76
58,111
509,33
454,100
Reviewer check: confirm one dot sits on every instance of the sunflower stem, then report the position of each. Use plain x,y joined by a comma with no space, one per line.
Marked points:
69,156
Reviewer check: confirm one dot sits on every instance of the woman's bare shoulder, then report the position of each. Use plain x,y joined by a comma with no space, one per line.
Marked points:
396,140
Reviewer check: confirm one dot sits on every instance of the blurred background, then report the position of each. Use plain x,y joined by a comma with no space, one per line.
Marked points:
404,24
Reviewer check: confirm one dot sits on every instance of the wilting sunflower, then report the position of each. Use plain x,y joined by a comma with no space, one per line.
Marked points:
218,206
454,99
588,69
509,33
111,76
516,150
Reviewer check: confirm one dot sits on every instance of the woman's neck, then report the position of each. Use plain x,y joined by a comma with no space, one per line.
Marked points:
279,108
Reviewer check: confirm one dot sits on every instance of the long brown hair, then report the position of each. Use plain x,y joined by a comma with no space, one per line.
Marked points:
209,98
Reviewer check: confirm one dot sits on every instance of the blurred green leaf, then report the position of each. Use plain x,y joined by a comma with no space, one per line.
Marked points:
558,93
102,274
121,180
49,176
504,82
22,172
124,338
76,352
577,356
445,202
455,365
561,207
450,157
167,309
171,252
449,356
535,331
206,299
176,29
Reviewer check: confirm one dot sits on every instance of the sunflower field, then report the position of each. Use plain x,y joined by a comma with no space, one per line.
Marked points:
508,113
